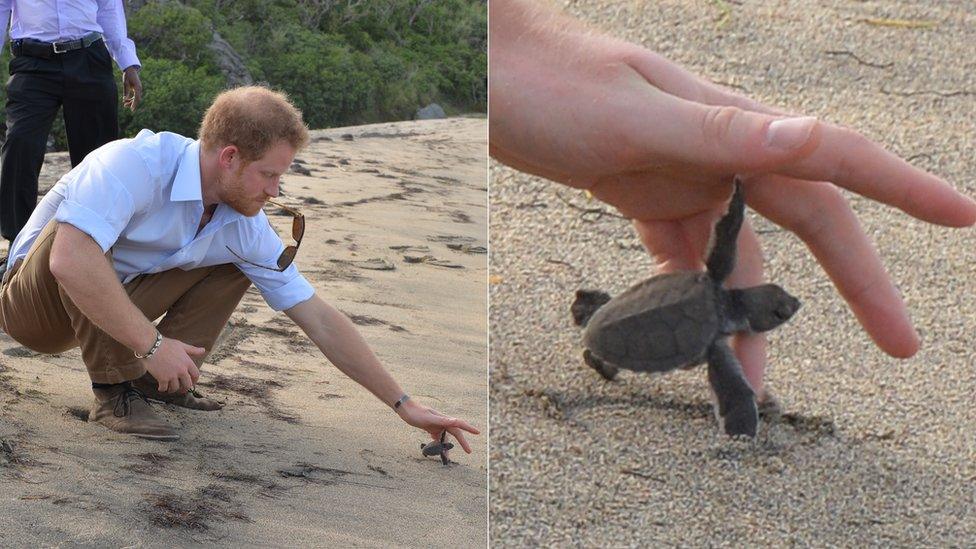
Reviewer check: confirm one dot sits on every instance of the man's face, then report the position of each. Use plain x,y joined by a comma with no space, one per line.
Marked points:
246,187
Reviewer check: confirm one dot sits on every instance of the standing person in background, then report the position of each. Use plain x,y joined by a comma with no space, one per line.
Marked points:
62,55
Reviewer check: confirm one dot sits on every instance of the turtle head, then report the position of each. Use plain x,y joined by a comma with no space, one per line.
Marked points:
586,303
763,307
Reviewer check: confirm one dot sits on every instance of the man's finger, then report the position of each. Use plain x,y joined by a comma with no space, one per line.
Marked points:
820,215
750,349
460,423
718,138
186,383
195,351
854,162
459,435
677,245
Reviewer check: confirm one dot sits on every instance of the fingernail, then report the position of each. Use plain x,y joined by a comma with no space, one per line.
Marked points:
790,133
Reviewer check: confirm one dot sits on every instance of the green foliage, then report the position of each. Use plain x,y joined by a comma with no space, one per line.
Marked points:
341,61
328,81
174,98
172,31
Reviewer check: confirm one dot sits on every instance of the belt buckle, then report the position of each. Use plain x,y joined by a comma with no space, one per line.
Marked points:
63,44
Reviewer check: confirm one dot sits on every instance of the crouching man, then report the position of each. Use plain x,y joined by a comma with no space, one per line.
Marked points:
161,224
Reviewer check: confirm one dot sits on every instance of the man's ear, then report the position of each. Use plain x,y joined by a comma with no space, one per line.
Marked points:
228,155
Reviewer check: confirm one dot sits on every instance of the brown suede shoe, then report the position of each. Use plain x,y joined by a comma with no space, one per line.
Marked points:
148,385
126,410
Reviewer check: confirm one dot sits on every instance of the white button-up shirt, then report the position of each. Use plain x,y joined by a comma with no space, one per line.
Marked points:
142,198
60,20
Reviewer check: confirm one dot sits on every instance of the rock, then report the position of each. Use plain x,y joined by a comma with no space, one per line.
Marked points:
230,62
430,112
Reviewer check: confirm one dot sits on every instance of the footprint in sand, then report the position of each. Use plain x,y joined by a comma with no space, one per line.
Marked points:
451,239
20,352
459,217
468,249
431,260
77,412
405,248
374,264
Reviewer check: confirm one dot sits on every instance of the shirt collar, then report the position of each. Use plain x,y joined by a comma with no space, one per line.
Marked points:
186,184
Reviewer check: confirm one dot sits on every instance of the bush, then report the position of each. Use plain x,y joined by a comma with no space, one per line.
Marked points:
172,31
174,98
328,81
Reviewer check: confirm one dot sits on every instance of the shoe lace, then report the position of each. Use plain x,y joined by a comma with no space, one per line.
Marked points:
122,407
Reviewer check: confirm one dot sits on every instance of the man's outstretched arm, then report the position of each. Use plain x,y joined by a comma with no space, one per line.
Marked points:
339,340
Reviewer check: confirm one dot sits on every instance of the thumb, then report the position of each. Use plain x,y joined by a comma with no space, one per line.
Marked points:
734,140
196,351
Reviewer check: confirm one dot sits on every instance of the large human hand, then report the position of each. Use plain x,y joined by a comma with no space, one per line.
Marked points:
172,366
661,145
435,423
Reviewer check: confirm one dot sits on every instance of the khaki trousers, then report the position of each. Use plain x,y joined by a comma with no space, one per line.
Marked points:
37,312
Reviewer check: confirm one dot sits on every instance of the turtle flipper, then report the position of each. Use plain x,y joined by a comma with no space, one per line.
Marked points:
721,260
735,400
606,370
586,303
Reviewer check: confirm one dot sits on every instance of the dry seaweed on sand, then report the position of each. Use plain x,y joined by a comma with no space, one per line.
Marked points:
194,512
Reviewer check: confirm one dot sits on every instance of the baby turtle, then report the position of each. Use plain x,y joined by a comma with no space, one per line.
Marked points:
437,448
683,319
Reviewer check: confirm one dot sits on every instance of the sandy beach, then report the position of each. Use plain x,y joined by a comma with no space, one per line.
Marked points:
869,450
300,456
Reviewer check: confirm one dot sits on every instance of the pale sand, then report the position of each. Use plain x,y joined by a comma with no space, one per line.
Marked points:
874,451
363,480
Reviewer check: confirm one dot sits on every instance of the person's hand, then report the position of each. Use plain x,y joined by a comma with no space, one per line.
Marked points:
435,423
661,145
131,88
172,366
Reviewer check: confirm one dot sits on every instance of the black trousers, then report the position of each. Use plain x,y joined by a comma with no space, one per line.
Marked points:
84,83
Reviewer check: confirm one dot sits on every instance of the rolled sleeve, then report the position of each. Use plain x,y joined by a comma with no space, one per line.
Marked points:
280,289
88,222
286,296
96,201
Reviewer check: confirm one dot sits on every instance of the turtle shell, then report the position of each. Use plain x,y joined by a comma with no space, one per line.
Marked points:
660,324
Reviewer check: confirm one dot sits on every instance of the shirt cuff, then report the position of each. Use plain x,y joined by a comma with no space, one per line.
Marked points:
87,222
289,295
126,57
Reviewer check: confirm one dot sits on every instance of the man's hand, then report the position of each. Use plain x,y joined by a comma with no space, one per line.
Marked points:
662,145
336,336
435,423
172,366
131,88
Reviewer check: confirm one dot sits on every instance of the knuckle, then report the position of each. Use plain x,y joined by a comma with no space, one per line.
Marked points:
845,167
821,212
717,123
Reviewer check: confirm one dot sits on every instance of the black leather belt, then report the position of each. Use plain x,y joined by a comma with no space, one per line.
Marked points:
47,50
